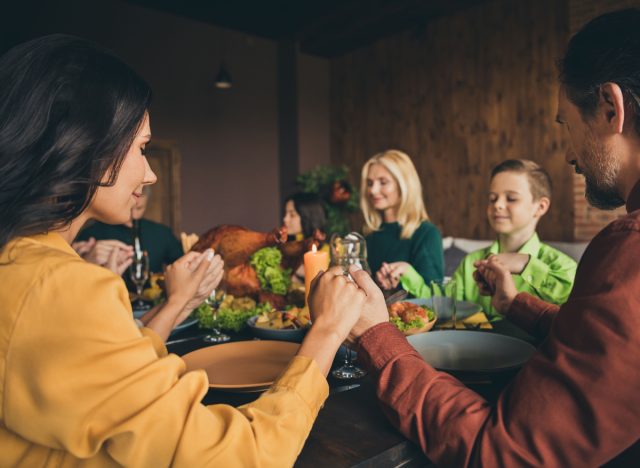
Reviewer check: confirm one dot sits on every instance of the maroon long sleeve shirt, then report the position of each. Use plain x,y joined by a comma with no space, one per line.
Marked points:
575,403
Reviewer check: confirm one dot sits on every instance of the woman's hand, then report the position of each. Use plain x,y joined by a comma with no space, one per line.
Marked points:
183,280
389,274
209,282
494,279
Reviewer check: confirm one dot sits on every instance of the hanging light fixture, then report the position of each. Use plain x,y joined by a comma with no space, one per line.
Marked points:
223,79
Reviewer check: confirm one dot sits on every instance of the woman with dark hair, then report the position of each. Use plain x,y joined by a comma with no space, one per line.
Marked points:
80,382
304,216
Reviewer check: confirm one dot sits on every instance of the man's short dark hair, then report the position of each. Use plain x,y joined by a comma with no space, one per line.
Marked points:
607,49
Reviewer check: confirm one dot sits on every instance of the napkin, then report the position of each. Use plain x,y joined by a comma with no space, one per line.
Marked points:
479,318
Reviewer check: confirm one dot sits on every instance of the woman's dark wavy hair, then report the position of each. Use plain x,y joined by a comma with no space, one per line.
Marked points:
69,111
312,216
607,49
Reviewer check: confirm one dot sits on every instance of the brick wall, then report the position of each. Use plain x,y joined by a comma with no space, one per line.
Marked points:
587,219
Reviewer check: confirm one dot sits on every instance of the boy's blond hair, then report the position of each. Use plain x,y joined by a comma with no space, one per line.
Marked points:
412,211
539,180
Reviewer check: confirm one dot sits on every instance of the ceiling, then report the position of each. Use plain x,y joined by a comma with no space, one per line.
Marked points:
326,28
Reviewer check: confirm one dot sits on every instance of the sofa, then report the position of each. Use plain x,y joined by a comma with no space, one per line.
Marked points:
455,249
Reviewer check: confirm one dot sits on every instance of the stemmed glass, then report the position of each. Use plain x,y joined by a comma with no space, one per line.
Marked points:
139,274
443,297
214,300
346,251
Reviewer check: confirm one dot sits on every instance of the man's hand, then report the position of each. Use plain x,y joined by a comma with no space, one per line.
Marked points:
103,250
335,302
119,260
82,248
494,278
374,308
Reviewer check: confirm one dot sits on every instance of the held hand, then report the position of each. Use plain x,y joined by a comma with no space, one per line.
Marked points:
119,260
495,277
183,277
335,303
374,311
103,249
82,248
514,262
383,280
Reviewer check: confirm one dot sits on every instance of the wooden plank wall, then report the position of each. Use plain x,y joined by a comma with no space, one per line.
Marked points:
460,96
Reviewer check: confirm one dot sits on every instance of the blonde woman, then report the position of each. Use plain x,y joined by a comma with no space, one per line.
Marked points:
398,229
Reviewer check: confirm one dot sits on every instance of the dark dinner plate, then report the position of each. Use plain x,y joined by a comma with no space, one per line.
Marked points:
471,351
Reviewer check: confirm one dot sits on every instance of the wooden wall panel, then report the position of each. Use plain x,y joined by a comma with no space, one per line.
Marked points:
465,93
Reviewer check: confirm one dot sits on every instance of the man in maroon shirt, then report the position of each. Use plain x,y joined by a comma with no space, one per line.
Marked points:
577,401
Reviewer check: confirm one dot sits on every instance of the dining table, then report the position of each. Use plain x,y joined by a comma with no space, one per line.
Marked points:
351,430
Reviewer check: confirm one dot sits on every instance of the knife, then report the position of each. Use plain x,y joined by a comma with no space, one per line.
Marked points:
343,388
182,340
396,297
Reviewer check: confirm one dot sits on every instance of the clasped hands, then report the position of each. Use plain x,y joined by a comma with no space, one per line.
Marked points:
343,307
110,253
493,277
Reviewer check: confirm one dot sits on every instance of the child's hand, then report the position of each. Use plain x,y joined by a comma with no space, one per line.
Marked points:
494,278
514,262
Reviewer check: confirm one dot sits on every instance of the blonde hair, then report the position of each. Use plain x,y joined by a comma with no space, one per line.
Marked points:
412,211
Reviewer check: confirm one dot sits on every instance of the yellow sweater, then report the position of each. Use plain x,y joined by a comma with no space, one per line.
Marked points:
81,385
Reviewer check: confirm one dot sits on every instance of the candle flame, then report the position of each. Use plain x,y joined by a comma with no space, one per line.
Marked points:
314,248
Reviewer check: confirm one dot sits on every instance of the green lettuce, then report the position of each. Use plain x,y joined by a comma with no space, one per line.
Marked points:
227,318
271,275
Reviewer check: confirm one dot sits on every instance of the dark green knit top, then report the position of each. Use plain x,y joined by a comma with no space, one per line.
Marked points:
423,251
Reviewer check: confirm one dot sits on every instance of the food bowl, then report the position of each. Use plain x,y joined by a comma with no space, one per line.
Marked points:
295,335
464,309
405,312
427,326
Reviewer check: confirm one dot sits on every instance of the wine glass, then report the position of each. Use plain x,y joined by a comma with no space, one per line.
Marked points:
346,251
443,299
214,300
139,274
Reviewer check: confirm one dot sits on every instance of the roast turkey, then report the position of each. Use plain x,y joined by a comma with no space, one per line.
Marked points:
236,244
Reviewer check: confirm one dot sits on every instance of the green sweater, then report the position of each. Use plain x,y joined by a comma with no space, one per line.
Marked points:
423,250
157,239
549,275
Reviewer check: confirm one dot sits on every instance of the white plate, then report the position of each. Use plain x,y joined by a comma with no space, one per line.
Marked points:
464,309
471,351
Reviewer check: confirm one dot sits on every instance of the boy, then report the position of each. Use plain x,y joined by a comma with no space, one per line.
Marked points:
519,195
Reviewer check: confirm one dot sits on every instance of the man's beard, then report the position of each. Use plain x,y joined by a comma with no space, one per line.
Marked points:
601,171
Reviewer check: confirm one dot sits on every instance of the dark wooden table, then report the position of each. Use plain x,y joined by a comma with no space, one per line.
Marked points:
351,430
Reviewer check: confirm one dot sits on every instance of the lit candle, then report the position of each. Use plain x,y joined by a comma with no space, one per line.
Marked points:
314,262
